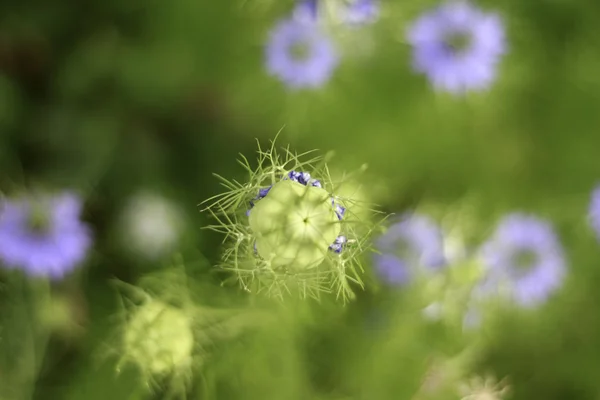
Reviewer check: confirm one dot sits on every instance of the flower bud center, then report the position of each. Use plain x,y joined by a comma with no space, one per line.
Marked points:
300,51
294,225
38,220
457,42
523,261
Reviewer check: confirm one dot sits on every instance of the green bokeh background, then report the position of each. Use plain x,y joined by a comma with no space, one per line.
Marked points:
111,96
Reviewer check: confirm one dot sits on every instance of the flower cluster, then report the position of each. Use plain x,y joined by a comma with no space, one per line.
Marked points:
295,234
456,45
522,261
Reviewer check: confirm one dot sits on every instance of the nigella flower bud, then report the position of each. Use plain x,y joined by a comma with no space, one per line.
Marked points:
166,333
159,338
294,225
297,233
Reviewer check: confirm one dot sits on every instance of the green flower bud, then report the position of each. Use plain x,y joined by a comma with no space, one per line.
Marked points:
294,225
288,229
159,337
167,334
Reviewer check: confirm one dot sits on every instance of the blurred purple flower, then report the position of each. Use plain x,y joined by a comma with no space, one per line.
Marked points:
44,236
414,242
472,319
349,12
523,259
301,55
359,12
306,11
457,46
594,211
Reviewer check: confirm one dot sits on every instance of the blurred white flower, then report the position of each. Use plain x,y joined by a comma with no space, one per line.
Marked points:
152,225
487,388
433,312
454,247
440,374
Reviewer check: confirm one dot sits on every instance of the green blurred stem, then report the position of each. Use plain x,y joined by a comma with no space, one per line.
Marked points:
34,294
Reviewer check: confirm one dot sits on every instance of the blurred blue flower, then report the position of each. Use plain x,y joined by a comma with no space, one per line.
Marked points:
301,55
414,242
523,259
348,12
359,12
306,11
457,46
472,319
594,211
43,236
